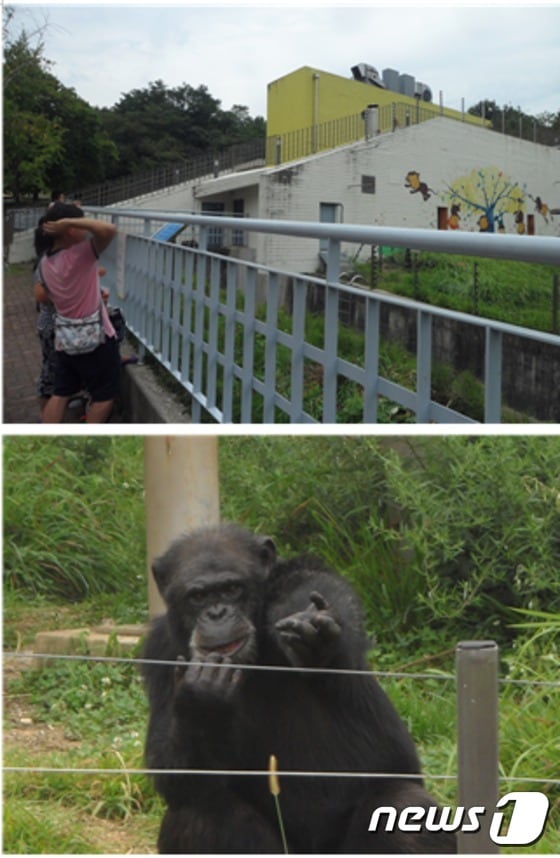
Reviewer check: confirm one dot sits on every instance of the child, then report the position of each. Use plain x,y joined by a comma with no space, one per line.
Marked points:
68,273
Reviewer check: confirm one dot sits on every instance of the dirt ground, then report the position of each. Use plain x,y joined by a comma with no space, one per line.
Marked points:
21,731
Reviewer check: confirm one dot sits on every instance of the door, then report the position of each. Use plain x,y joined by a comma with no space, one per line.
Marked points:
328,213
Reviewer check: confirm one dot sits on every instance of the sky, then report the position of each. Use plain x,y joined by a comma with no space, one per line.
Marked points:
508,54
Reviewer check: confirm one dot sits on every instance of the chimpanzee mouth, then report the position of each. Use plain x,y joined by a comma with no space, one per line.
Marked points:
225,649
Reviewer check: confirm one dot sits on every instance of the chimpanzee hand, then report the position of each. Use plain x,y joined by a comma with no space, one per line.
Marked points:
309,638
210,684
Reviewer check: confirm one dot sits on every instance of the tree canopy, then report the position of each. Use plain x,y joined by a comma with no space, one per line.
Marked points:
159,125
53,138
511,120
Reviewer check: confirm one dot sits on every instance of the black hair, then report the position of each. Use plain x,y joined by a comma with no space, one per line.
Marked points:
41,241
55,195
44,243
60,210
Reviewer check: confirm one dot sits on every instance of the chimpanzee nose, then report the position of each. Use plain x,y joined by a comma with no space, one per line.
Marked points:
217,613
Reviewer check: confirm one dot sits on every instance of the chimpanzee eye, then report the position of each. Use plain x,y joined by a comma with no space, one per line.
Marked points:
197,598
233,591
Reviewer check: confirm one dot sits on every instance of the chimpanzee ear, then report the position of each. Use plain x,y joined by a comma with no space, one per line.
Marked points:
267,551
161,570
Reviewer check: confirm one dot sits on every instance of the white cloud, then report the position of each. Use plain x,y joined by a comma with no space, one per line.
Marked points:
504,53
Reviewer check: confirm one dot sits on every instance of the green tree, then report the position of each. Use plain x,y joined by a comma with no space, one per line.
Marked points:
238,126
87,154
31,145
513,121
51,136
31,140
549,128
161,125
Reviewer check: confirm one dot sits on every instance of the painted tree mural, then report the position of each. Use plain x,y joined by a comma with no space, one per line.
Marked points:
488,194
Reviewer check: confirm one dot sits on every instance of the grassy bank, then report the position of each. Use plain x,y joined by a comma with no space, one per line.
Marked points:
519,293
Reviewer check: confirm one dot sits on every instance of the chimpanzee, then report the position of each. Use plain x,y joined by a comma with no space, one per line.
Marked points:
233,608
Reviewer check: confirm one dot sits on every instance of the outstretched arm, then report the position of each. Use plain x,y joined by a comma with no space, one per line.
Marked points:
314,617
101,231
310,638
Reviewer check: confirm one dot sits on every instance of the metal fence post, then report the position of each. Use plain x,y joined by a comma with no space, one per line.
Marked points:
493,376
477,738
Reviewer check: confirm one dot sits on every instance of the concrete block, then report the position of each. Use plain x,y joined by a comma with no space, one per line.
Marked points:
119,641
145,400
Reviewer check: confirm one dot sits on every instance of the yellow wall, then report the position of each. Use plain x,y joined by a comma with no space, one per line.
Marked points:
300,100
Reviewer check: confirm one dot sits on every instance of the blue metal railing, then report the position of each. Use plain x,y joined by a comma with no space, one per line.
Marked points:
198,314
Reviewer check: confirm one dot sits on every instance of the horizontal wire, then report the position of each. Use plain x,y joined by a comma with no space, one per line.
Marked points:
272,668
254,773
262,773
223,772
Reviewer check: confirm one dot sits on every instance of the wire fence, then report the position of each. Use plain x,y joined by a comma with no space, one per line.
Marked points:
477,778
390,674
378,674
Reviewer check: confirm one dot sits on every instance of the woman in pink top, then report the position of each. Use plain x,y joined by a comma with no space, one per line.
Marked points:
69,276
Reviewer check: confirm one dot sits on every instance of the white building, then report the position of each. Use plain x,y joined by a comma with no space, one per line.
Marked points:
440,174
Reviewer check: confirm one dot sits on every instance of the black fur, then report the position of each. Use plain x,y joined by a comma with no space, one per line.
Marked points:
295,614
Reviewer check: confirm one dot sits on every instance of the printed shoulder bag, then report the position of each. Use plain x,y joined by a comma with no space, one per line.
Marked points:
76,336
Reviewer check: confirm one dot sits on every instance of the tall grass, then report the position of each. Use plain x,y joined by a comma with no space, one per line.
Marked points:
73,516
447,534
443,537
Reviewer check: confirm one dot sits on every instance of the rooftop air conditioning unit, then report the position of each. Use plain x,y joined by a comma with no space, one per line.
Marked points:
422,91
367,74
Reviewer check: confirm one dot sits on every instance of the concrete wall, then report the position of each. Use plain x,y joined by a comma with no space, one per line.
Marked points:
21,248
424,176
530,371
416,172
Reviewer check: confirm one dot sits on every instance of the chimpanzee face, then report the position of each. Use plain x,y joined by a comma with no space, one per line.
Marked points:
213,590
218,610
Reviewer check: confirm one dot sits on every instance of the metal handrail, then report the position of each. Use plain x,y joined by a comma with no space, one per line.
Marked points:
536,249
181,303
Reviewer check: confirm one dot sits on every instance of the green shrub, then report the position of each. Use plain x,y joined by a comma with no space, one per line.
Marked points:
448,538
444,535
509,291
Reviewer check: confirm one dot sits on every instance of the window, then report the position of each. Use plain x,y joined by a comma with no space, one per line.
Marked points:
237,235
215,235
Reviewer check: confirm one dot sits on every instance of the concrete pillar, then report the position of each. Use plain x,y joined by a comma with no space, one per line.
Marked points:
182,493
